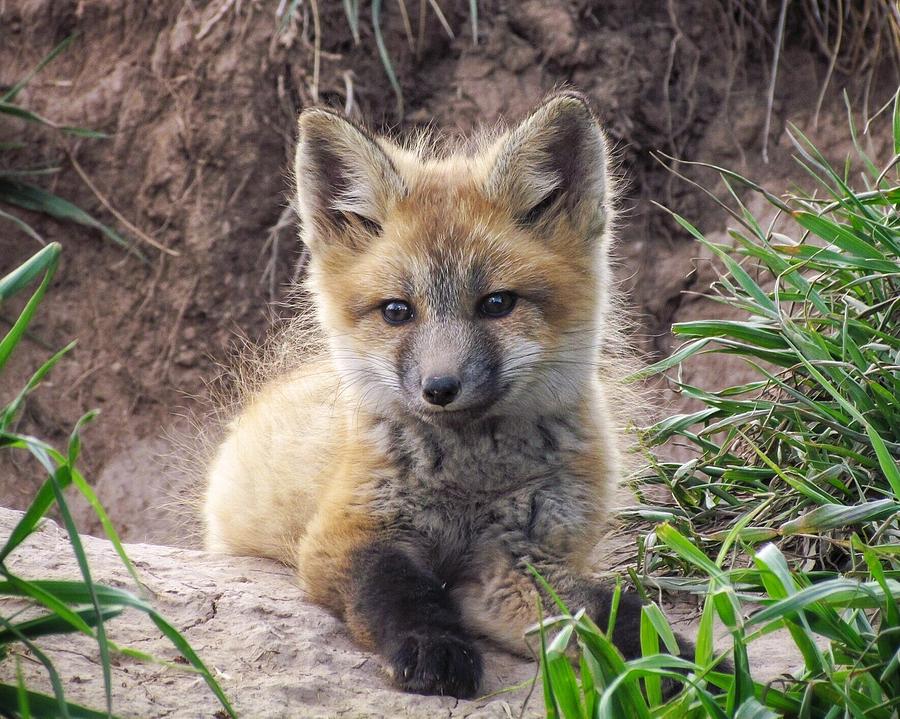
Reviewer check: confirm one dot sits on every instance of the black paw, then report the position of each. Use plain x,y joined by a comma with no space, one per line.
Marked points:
671,687
426,663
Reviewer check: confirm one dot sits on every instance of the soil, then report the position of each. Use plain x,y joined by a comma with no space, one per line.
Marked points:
200,103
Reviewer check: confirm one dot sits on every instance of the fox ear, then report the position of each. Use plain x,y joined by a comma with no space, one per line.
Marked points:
345,182
554,162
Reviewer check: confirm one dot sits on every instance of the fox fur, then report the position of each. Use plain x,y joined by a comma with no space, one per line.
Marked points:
414,520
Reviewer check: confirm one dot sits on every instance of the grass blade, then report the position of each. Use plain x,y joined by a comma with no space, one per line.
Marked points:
385,55
53,624
43,707
10,94
44,261
31,197
9,342
24,226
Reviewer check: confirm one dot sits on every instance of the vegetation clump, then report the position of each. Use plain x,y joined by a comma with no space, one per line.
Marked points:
786,516
38,607
807,452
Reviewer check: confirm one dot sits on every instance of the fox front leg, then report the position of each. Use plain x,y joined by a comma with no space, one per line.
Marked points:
405,613
501,601
595,596
502,604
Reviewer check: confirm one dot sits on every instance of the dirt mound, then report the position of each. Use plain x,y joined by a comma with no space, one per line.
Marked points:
201,104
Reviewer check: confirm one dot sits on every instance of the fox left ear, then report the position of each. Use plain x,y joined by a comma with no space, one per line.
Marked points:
345,182
555,161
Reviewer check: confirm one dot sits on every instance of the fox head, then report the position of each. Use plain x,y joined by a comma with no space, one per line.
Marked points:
460,286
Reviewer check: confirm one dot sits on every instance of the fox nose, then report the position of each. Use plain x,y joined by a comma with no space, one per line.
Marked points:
440,390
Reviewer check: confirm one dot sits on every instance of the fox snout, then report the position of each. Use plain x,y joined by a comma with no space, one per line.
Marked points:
441,390
448,368
464,394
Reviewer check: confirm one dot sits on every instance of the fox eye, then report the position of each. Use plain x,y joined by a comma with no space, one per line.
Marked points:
497,304
396,312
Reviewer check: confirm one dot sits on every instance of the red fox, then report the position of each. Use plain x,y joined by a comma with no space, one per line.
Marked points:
455,428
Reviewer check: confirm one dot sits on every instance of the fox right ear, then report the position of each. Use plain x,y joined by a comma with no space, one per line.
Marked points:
345,182
554,163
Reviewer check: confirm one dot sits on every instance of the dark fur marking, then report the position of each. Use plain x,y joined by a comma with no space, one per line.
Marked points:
477,280
550,442
492,425
400,453
446,284
437,462
406,355
571,134
414,622
409,289
487,353
541,209
568,425
532,516
370,225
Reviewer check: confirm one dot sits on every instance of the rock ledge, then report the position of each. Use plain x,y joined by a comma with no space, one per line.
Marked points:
275,654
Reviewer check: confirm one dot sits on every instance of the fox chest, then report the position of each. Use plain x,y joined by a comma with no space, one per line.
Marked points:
468,494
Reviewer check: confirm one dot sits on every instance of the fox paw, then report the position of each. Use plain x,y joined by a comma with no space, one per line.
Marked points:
425,663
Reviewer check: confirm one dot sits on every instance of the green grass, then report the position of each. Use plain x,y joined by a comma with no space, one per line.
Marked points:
786,515
62,607
18,190
43,607
808,451
854,675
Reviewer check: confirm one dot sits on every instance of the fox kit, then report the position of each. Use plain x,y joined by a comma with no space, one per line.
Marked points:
455,428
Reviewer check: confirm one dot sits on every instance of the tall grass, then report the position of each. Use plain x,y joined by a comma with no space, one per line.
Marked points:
855,675
18,188
786,517
55,607
808,452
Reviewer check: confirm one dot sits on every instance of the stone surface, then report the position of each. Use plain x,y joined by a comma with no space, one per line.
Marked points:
275,654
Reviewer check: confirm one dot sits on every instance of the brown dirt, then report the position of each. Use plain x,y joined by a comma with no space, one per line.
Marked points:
200,100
